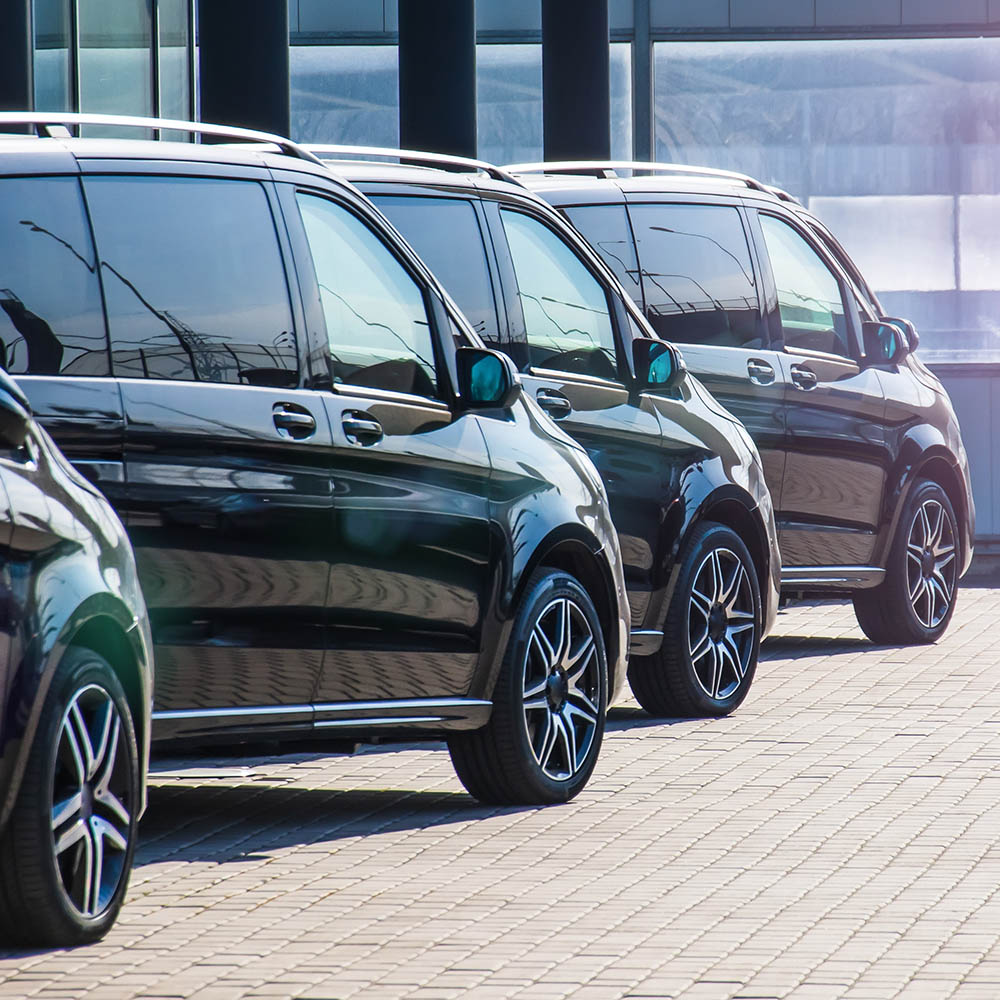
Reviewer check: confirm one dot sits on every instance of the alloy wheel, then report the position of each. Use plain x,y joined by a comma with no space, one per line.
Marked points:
722,623
561,689
931,563
91,823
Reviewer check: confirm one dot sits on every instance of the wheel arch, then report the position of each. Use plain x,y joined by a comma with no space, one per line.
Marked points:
740,515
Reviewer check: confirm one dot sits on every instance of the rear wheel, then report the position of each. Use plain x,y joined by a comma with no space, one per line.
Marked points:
711,636
915,602
67,851
543,738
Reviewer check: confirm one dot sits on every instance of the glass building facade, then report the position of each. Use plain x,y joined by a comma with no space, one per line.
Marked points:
115,56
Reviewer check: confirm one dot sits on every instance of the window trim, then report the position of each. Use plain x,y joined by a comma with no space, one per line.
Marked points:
306,267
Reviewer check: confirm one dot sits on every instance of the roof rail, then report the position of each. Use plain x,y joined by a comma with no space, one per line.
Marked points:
610,168
57,124
783,195
411,156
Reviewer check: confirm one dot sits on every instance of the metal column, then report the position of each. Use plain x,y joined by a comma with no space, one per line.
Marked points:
576,84
437,76
243,62
17,90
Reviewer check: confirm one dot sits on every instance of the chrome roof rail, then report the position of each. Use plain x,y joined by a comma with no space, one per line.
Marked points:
610,168
56,124
783,195
413,157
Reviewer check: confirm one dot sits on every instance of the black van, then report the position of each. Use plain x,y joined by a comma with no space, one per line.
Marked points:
861,446
350,523
75,690
685,483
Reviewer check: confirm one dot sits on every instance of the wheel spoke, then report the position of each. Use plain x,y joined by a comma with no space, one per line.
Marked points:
75,718
717,581
732,590
66,809
734,630
938,599
716,670
588,714
96,870
105,831
567,736
703,645
936,528
541,641
701,602
580,660
563,637
109,752
548,742
72,741
114,805
732,653
71,836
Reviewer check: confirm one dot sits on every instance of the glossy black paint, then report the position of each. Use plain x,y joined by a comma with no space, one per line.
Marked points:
67,576
842,438
319,558
669,456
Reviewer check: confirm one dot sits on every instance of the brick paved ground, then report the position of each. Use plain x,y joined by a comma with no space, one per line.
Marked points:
838,837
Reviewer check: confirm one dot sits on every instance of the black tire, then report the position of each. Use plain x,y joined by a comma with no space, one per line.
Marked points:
48,899
916,600
708,657
526,755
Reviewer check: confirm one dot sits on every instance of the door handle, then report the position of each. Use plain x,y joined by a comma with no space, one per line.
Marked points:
803,378
555,404
293,421
361,428
760,372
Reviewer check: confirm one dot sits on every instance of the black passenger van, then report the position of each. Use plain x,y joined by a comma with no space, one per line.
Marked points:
350,523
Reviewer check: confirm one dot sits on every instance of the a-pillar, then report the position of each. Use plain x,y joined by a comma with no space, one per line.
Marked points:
437,76
576,84
243,64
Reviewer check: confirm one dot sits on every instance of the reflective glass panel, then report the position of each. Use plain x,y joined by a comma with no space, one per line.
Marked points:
376,318
194,280
53,91
566,315
446,234
50,301
696,274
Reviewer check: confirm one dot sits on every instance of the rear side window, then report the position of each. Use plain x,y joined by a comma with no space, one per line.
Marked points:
51,321
446,234
809,299
566,316
194,280
606,229
376,318
697,275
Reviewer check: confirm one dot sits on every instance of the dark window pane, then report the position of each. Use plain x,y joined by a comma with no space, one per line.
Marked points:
376,318
194,280
446,234
606,229
809,300
566,316
696,274
50,300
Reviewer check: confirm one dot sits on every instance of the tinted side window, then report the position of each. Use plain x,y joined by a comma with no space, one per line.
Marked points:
446,234
194,280
809,300
566,315
606,229
50,300
697,275
376,317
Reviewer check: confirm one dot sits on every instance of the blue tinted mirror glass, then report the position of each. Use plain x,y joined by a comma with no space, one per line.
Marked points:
661,364
486,379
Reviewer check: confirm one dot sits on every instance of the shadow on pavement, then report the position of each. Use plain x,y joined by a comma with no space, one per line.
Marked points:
781,646
247,822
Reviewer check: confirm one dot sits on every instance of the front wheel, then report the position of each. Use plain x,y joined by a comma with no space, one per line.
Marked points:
543,738
916,600
66,853
711,636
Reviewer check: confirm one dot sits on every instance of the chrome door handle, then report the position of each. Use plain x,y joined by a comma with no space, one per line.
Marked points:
361,428
555,404
293,421
760,372
803,378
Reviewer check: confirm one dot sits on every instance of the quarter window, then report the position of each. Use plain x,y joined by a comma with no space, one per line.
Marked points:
566,317
376,317
194,280
697,275
809,300
50,300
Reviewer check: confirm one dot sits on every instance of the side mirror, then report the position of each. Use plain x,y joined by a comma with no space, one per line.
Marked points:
15,413
885,343
486,379
912,337
658,365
